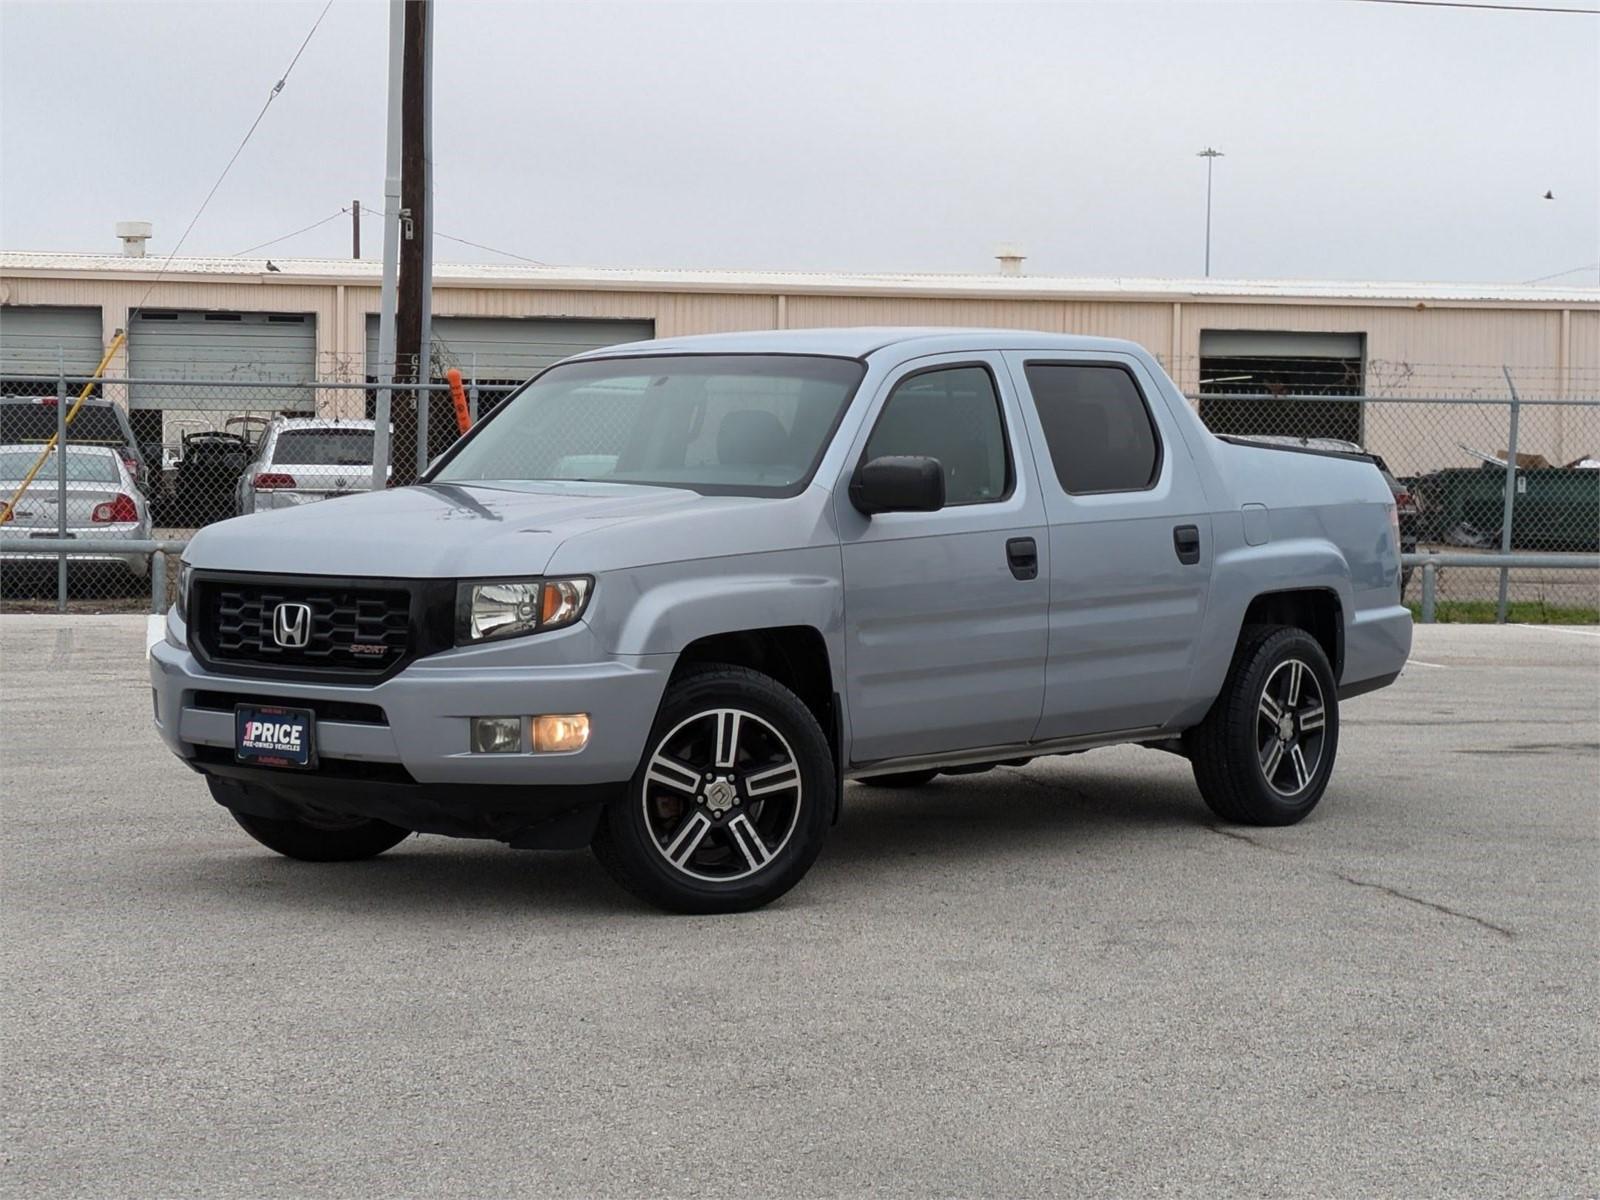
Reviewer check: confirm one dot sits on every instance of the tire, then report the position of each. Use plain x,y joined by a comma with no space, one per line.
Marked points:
904,779
333,840
738,835
1264,753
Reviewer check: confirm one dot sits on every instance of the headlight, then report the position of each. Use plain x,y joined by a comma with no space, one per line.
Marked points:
498,608
181,601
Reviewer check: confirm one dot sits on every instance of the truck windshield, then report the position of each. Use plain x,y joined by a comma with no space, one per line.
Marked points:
752,425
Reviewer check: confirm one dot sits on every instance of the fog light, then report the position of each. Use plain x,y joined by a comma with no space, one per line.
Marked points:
560,734
496,735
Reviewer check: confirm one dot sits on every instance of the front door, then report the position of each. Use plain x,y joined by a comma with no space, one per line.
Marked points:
944,617
1130,542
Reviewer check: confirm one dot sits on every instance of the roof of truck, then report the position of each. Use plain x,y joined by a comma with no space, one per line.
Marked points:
861,341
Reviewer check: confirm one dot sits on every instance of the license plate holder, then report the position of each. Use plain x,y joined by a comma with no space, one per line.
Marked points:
267,735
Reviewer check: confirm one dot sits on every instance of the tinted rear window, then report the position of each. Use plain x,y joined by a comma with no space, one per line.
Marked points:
324,447
31,422
1097,426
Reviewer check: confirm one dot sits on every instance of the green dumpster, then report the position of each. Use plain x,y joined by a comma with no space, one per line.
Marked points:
1557,508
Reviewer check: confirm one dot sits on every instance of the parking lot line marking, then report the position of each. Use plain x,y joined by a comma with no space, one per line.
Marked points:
1588,633
1417,662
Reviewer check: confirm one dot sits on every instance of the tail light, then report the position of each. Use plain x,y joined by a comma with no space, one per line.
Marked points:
1405,502
271,480
130,462
120,509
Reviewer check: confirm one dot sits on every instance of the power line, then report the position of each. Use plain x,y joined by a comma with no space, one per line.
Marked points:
491,249
1533,8
296,233
1594,266
249,133
378,212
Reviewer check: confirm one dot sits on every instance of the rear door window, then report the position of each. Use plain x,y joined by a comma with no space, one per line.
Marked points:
1097,425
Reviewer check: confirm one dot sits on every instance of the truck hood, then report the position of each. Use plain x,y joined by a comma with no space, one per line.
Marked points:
431,531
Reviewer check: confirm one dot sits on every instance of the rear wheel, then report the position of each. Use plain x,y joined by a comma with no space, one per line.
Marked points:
731,803
1264,753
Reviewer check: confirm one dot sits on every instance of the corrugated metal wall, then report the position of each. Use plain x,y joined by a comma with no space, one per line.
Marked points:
1412,349
515,348
43,340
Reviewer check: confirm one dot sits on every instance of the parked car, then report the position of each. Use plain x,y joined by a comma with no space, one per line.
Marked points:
305,459
207,478
31,421
670,595
103,501
1408,505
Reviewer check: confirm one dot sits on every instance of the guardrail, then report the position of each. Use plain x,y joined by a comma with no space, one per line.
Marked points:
65,548
1430,564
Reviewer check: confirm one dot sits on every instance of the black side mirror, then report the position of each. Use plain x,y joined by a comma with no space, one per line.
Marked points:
902,483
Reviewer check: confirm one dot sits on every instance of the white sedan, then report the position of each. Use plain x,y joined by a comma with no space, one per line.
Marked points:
103,501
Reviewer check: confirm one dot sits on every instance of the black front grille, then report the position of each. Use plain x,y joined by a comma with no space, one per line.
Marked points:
355,628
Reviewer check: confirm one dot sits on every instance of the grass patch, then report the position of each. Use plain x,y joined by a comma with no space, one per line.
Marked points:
1518,612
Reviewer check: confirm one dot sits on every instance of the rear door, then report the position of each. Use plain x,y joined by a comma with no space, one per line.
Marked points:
945,632
1130,542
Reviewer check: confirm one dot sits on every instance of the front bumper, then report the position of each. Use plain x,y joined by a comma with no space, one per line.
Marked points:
398,750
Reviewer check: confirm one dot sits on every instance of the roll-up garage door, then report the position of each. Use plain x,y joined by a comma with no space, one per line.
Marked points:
512,349
40,340
222,360
1282,382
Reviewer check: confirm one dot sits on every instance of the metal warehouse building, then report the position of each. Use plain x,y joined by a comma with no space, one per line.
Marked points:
302,321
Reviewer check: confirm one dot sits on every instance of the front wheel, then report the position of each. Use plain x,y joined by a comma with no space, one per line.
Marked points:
731,802
1265,751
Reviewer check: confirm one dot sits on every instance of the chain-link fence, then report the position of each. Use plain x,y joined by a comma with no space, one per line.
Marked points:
1445,434
156,459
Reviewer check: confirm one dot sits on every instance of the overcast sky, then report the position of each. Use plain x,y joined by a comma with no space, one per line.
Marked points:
1362,141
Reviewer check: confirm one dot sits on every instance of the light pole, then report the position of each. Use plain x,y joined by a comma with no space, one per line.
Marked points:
1211,156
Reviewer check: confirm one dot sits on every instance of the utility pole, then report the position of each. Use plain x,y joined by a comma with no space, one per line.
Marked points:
355,229
410,440
1211,157
383,369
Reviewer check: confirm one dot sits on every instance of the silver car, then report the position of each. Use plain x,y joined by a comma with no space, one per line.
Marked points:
103,501
305,459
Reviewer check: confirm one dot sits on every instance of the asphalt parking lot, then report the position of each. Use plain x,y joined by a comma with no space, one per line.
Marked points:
1065,979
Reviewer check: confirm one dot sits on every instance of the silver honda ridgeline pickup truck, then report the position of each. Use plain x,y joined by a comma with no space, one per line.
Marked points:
671,595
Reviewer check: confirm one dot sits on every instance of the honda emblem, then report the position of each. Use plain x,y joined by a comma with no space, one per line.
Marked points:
291,625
